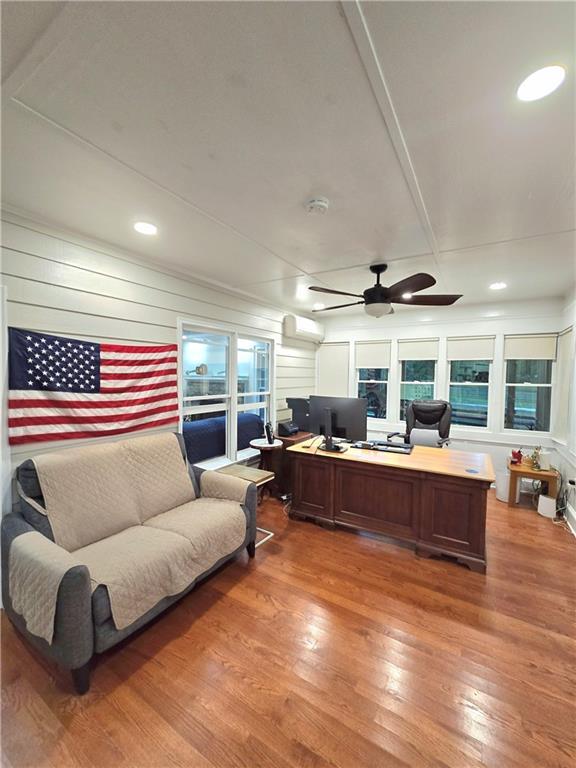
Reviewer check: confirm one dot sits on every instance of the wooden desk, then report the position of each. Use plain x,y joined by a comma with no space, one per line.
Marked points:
283,468
518,471
433,497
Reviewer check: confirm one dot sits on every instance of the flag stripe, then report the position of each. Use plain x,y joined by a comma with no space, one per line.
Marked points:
127,349
137,375
87,402
122,390
29,421
113,362
45,436
57,428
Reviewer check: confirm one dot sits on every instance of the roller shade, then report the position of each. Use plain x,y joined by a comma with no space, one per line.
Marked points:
373,354
471,348
418,349
530,347
333,370
564,382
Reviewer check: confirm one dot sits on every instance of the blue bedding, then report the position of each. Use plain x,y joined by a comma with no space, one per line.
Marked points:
206,438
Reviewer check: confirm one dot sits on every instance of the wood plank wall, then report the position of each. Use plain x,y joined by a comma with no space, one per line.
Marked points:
63,286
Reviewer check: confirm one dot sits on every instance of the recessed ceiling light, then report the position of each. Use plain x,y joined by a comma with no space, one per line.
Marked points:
318,305
145,228
406,295
541,83
497,286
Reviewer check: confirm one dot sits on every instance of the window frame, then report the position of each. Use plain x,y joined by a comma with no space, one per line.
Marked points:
375,381
550,386
232,407
488,384
401,381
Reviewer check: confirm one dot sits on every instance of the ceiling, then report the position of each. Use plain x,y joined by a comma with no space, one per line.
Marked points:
218,121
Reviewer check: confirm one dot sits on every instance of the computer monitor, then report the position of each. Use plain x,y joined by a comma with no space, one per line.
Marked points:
348,416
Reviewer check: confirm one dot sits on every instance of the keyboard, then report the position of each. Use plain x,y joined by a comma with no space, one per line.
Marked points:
380,445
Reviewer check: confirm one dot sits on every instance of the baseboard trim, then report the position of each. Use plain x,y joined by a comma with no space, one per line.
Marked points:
571,518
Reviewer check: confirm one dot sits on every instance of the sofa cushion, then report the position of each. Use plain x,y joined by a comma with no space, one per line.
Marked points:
157,473
139,566
214,527
87,492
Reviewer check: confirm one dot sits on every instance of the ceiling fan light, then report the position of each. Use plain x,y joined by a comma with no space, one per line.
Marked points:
378,309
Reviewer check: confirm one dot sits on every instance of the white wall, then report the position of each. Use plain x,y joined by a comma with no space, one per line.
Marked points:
545,316
566,448
59,283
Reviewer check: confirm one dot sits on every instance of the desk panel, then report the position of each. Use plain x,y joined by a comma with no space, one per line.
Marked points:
377,500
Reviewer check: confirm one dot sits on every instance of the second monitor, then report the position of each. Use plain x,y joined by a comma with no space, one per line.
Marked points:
348,416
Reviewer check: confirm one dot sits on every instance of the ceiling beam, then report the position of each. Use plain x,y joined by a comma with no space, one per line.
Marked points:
365,45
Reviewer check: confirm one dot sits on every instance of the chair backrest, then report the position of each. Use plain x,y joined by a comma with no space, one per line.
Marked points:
429,414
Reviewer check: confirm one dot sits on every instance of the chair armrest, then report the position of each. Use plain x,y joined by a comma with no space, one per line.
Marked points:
397,434
73,640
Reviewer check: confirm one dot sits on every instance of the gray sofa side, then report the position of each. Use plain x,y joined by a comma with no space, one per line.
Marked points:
73,643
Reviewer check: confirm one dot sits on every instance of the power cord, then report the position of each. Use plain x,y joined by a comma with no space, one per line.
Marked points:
311,442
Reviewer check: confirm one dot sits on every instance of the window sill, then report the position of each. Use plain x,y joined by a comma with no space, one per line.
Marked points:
217,462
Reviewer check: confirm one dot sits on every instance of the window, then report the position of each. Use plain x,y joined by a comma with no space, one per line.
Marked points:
528,395
469,382
372,384
226,377
253,378
417,383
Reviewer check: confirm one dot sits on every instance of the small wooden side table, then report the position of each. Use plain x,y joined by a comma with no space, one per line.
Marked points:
257,476
518,471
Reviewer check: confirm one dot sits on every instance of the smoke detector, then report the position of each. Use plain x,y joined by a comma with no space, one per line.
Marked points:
317,205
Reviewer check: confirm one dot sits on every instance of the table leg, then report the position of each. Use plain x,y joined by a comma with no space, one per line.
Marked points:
513,489
553,487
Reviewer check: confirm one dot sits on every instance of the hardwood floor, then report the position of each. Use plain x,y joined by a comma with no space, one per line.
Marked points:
329,649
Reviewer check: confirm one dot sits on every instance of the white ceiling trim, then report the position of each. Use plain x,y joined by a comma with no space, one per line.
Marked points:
363,39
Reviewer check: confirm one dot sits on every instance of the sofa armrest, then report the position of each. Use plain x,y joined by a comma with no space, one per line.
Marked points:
217,485
73,639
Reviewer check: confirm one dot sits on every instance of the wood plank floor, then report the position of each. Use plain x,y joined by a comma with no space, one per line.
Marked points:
330,649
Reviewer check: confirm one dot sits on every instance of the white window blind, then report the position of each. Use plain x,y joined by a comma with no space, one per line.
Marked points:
564,383
530,347
333,370
471,348
418,349
373,354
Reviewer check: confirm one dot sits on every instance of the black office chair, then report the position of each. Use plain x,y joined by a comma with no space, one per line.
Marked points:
427,415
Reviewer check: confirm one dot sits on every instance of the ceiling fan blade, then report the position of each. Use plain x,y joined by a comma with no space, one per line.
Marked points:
330,290
339,306
432,300
411,284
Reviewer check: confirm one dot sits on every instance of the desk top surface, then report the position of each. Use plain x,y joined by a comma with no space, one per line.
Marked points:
440,461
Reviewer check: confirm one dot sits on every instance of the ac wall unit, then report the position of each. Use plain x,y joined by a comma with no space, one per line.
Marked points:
303,328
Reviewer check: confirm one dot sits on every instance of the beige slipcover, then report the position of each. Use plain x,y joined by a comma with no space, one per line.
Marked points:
36,566
98,490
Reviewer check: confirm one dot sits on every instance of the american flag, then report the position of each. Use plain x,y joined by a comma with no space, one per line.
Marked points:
62,389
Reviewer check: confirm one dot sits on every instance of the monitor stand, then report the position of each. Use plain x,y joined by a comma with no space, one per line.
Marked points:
329,444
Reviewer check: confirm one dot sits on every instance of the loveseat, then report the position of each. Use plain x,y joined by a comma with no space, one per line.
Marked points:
108,536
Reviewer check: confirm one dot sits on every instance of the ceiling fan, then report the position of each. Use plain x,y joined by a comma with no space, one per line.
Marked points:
378,300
